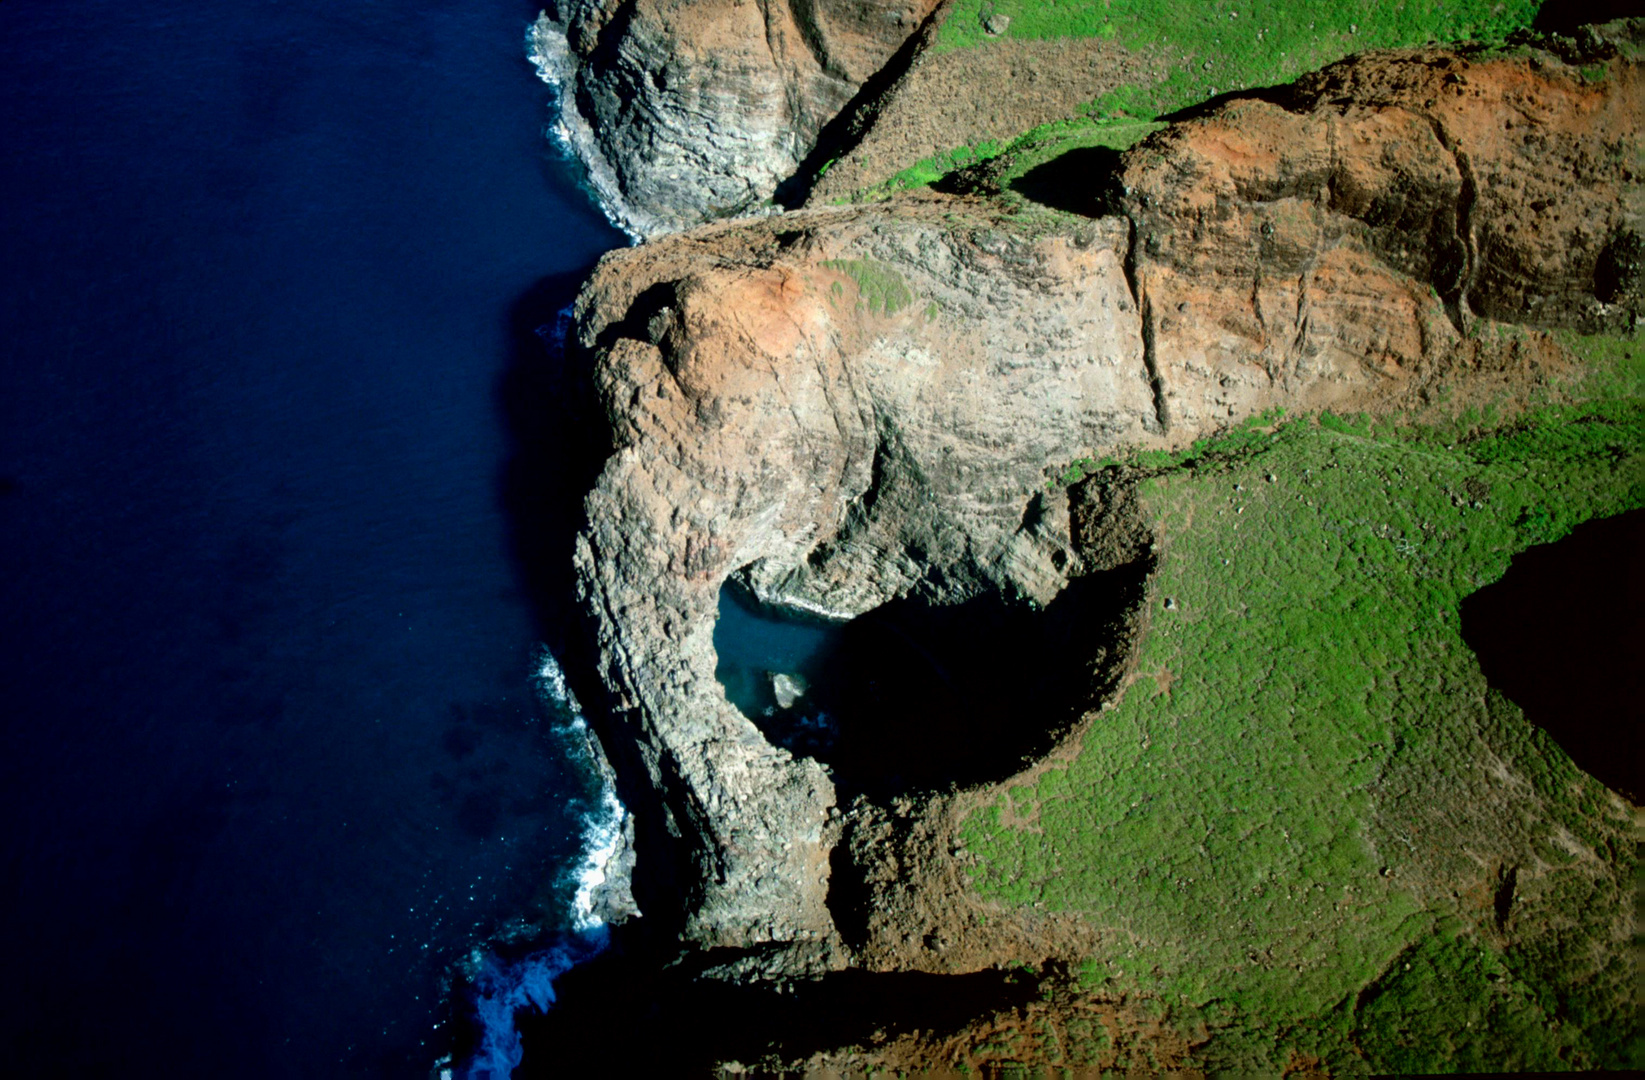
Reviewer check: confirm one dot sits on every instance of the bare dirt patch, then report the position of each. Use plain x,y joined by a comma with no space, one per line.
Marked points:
935,106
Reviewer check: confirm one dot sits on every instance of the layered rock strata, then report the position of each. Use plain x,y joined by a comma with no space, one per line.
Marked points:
686,113
846,406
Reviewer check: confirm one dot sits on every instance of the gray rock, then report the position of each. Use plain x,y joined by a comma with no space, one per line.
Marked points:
864,403
787,688
686,113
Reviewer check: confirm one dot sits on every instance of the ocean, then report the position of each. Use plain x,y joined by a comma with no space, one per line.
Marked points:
281,744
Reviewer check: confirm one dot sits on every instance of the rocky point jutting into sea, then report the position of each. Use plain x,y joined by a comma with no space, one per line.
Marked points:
977,391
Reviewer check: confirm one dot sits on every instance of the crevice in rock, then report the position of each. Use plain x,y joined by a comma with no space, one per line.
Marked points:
805,18
1503,902
1454,293
850,896
1620,270
1150,363
841,135
611,34
1145,314
1162,421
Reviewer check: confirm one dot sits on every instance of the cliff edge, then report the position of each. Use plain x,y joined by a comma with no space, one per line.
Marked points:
686,113
839,408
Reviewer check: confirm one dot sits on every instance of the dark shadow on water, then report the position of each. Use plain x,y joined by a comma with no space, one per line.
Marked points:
557,445
620,1010
1562,636
912,696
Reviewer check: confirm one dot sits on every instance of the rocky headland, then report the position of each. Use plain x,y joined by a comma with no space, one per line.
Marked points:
688,113
954,393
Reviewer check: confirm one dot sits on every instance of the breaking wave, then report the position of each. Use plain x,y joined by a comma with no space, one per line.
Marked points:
502,988
499,988
548,49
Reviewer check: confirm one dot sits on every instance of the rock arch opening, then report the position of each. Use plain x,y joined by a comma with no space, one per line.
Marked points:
916,696
1562,635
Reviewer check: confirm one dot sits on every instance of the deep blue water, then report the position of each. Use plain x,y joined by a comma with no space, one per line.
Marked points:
271,758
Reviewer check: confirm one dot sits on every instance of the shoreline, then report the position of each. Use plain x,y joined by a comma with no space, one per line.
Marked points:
549,51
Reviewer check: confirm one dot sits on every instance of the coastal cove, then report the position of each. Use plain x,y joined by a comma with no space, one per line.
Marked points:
1196,416
278,406
670,560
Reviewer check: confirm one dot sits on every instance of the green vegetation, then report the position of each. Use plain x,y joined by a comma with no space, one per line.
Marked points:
929,170
1031,148
1264,32
1262,821
879,287
1250,434
1208,49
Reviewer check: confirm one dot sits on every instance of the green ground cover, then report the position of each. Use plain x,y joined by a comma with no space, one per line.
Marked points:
1260,821
1211,48
1027,150
879,287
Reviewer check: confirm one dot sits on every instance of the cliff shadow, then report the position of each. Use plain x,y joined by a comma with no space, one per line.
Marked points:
851,124
915,696
1083,181
688,1026
1561,635
1566,18
556,446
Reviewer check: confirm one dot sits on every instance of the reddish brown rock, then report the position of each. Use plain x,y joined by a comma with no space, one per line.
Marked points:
844,406
1281,242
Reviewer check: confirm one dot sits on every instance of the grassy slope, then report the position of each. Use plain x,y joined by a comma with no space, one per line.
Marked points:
1215,46
1306,717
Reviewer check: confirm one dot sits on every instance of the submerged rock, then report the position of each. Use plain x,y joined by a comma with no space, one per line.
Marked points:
787,689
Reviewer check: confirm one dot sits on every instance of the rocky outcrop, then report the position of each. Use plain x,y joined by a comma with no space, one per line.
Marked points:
1321,225
850,405
686,113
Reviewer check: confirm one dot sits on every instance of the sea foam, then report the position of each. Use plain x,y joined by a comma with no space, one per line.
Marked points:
499,988
502,988
550,52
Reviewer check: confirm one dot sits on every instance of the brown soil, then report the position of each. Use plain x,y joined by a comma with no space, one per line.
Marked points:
935,106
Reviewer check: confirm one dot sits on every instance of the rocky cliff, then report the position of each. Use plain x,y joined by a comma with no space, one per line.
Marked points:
686,113
844,406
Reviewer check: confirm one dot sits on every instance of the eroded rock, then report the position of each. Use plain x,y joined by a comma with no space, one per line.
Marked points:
686,113
847,406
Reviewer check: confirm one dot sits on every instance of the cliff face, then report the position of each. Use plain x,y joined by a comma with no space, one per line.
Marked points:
686,113
847,406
